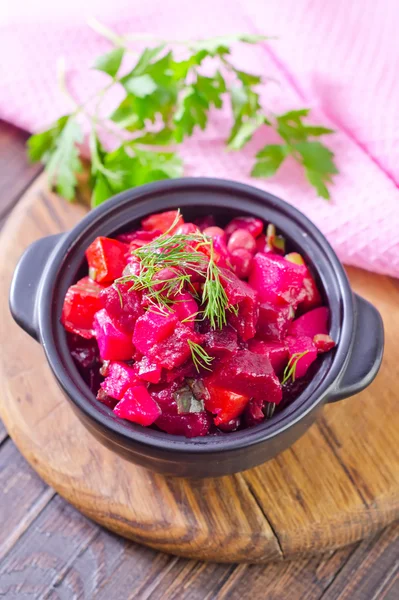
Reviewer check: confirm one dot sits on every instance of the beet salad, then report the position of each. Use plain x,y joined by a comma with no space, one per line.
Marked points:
193,329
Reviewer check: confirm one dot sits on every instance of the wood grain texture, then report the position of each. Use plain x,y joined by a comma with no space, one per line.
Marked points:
15,171
329,490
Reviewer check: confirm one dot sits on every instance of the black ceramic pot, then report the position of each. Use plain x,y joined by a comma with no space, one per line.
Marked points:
51,265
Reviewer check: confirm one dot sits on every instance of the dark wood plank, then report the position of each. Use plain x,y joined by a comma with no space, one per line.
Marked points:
372,572
43,554
16,172
110,567
3,432
23,495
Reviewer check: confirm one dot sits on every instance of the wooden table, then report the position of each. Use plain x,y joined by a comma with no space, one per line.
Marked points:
58,553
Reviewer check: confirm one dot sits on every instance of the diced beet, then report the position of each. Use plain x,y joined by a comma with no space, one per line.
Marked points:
173,351
223,403
261,244
277,352
147,370
204,222
221,342
273,321
113,343
162,221
152,327
299,345
191,424
241,261
119,377
84,351
138,406
241,295
139,235
80,305
312,297
185,308
277,281
163,394
254,412
242,239
107,258
323,343
187,369
311,323
250,374
251,224
122,304
107,400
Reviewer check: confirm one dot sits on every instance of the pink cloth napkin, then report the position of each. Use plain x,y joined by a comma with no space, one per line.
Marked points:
340,58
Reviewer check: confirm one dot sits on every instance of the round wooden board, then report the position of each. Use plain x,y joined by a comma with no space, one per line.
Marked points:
336,485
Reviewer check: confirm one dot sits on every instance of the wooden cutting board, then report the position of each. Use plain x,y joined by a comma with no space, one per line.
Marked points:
336,485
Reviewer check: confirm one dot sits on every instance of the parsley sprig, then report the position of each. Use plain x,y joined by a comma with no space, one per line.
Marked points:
165,100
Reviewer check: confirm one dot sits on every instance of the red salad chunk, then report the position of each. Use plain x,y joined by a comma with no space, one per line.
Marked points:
122,304
138,406
196,329
113,343
162,222
277,280
118,378
107,259
81,303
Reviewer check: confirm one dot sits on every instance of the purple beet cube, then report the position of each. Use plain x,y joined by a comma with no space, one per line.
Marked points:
122,304
151,328
190,424
273,321
173,351
221,342
249,374
119,377
244,298
277,281
147,370
311,323
277,352
301,345
138,406
113,343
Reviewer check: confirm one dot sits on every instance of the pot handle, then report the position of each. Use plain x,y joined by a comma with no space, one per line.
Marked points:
366,354
26,282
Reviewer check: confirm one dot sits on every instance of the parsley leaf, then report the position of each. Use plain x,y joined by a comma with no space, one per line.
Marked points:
57,149
109,63
269,160
191,112
316,159
42,143
319,165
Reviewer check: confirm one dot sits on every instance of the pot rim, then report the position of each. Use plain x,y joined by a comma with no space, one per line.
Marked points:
315,393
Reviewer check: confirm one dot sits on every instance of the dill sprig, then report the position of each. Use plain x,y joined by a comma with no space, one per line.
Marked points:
290,369
183,254
200,356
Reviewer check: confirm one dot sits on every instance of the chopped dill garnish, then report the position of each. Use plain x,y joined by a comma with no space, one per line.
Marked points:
183,255
119,294
200,356
290,369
